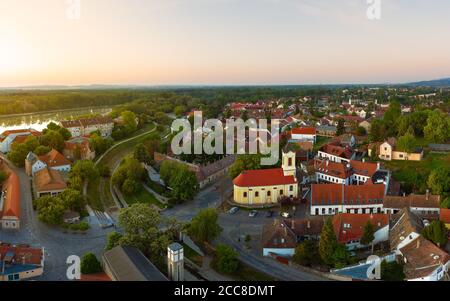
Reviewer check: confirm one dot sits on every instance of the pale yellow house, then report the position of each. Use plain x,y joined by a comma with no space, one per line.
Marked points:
266,186
388,152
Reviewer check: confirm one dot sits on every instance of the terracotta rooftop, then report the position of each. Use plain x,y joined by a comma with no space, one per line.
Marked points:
445,216
5,134
54,158
422,258
263,177
49,180
412,200
86,122
350,227
336,150
278,235
338,194
11,188
304,131
334,169
21,255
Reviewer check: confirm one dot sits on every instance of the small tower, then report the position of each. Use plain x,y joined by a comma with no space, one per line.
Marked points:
175,262
288,164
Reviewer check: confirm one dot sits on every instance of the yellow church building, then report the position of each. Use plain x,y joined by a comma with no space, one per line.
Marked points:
265,186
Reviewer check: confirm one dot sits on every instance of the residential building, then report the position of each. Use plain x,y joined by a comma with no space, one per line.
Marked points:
20,263
10,207
86,126
326,130
7,138
424,205
53,160
331,199
349,228
48,181
404,228
336,153
125,263
424,261
265,186
444,216
387,151
78,149
353,172
282,236
304,134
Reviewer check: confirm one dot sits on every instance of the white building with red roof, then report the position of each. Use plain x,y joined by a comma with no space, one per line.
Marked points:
265,186
353,172
304,134
331,199
53,160
10,200
7,138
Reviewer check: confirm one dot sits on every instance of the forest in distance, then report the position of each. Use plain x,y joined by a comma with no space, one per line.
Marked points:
32,101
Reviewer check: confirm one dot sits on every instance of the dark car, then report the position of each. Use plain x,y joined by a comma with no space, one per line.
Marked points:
269,213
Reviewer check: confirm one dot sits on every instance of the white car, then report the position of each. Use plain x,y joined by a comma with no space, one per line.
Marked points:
233,210
286,214
253,213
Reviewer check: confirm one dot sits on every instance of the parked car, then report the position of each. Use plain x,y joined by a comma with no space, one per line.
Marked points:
233,210
269,213
286,214
253,213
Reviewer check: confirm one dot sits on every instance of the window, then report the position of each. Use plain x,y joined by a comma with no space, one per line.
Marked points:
281,192
268,193
290,162
256,194
291,188
245,194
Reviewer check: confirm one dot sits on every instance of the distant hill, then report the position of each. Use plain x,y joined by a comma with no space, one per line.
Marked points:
438,83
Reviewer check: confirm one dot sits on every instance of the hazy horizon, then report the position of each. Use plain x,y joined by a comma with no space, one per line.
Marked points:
222,43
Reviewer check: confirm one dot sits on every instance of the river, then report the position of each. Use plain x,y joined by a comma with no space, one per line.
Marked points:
39,121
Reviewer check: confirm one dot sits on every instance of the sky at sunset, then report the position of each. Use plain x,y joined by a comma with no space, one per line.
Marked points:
171,42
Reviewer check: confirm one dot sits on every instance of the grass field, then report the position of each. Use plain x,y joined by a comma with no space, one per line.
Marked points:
144,197
414,175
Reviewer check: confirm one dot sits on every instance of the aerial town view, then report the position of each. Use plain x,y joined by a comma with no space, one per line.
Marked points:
218,141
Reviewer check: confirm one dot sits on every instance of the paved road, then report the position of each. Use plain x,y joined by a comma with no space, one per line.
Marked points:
58,245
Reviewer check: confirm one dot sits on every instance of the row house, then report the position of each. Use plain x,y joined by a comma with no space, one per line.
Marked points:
86,126
336,153
53,160
8,138
304,134
331,199
353,172
424,205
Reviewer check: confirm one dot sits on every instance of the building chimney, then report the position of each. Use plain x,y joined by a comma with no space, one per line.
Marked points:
418,243
428,194
364,160
308,224
378,165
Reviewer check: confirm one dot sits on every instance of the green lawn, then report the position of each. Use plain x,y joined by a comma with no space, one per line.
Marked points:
414,175
94,195
143,196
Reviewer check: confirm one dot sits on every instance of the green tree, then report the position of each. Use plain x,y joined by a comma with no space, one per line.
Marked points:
85,169
41,150
138,218
73,200
391,117
406,142
307,253
141,154
113,240
341,256
392,271
130,186
184,184
377,130
179,110
368,235
3,176
340,127
437,129
65,133
129,121
90,264
18,154
51,212
436,232
439,181
31,143
204,226
226,260
327,243
244,162
53,139
99,144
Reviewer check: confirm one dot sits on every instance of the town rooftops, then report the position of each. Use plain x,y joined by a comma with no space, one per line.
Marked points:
336,150
127,263
350,227
331,168
11,191
278,235
86,122
19,259
338,194
73,143
422,257
402,224
26,132
412,200
304,131
49,180
54,158
445,215
263,177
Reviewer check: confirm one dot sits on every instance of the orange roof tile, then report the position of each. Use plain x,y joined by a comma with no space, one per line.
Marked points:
304,131
263,177
54,158
49,180
336,150
12,200
445,216
338,194
30,255
350,227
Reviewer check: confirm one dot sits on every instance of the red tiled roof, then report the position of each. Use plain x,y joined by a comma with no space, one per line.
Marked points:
12,200
304,131
363,168
349,194
95,277
334,169
54,158
445,216
263,177
355,223
30,255
336,150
